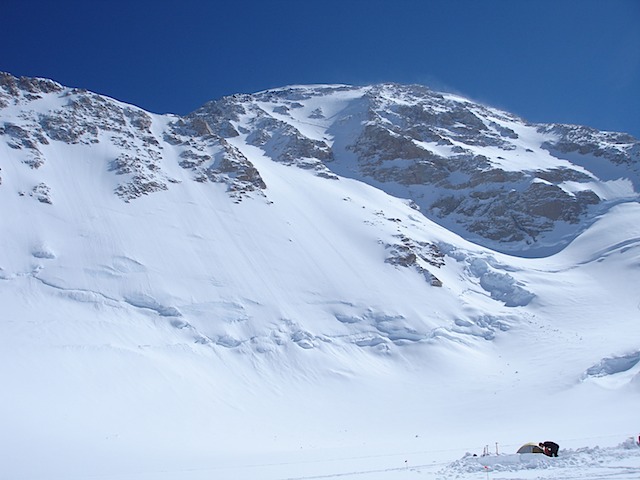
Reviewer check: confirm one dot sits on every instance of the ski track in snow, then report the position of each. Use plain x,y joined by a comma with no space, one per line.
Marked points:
622,463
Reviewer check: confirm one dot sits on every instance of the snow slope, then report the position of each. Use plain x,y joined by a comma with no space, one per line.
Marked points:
315,328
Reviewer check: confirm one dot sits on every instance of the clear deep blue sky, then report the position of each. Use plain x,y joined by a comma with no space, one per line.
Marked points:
547,60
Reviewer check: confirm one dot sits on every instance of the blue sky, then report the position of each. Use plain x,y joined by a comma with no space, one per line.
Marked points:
547,61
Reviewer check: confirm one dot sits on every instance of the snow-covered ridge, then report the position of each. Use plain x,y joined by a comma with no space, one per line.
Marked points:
483,173
70,151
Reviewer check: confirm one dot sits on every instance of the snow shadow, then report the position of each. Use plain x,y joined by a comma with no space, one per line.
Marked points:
613,365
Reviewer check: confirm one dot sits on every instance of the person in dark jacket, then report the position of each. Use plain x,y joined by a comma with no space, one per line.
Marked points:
550,448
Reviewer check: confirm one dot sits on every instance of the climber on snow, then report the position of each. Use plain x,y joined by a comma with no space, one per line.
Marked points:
550,448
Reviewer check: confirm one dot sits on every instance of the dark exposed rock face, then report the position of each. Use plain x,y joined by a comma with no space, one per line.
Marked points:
445,153
42,193
418,255
20,138
619,148
212,158
280,140
13,88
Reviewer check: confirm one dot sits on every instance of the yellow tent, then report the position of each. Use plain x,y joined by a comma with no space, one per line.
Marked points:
530,448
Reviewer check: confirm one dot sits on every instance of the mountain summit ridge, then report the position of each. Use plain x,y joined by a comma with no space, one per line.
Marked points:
481,172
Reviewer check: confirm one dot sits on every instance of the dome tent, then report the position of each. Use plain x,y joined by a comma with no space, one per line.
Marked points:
530,448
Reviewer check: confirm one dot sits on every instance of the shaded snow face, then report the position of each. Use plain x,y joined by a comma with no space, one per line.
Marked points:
613,365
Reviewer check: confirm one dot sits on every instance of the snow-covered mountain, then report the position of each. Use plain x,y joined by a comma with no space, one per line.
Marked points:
307,273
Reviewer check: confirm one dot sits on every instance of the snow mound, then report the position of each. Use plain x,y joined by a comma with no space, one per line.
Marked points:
575,460
613,365
615,371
